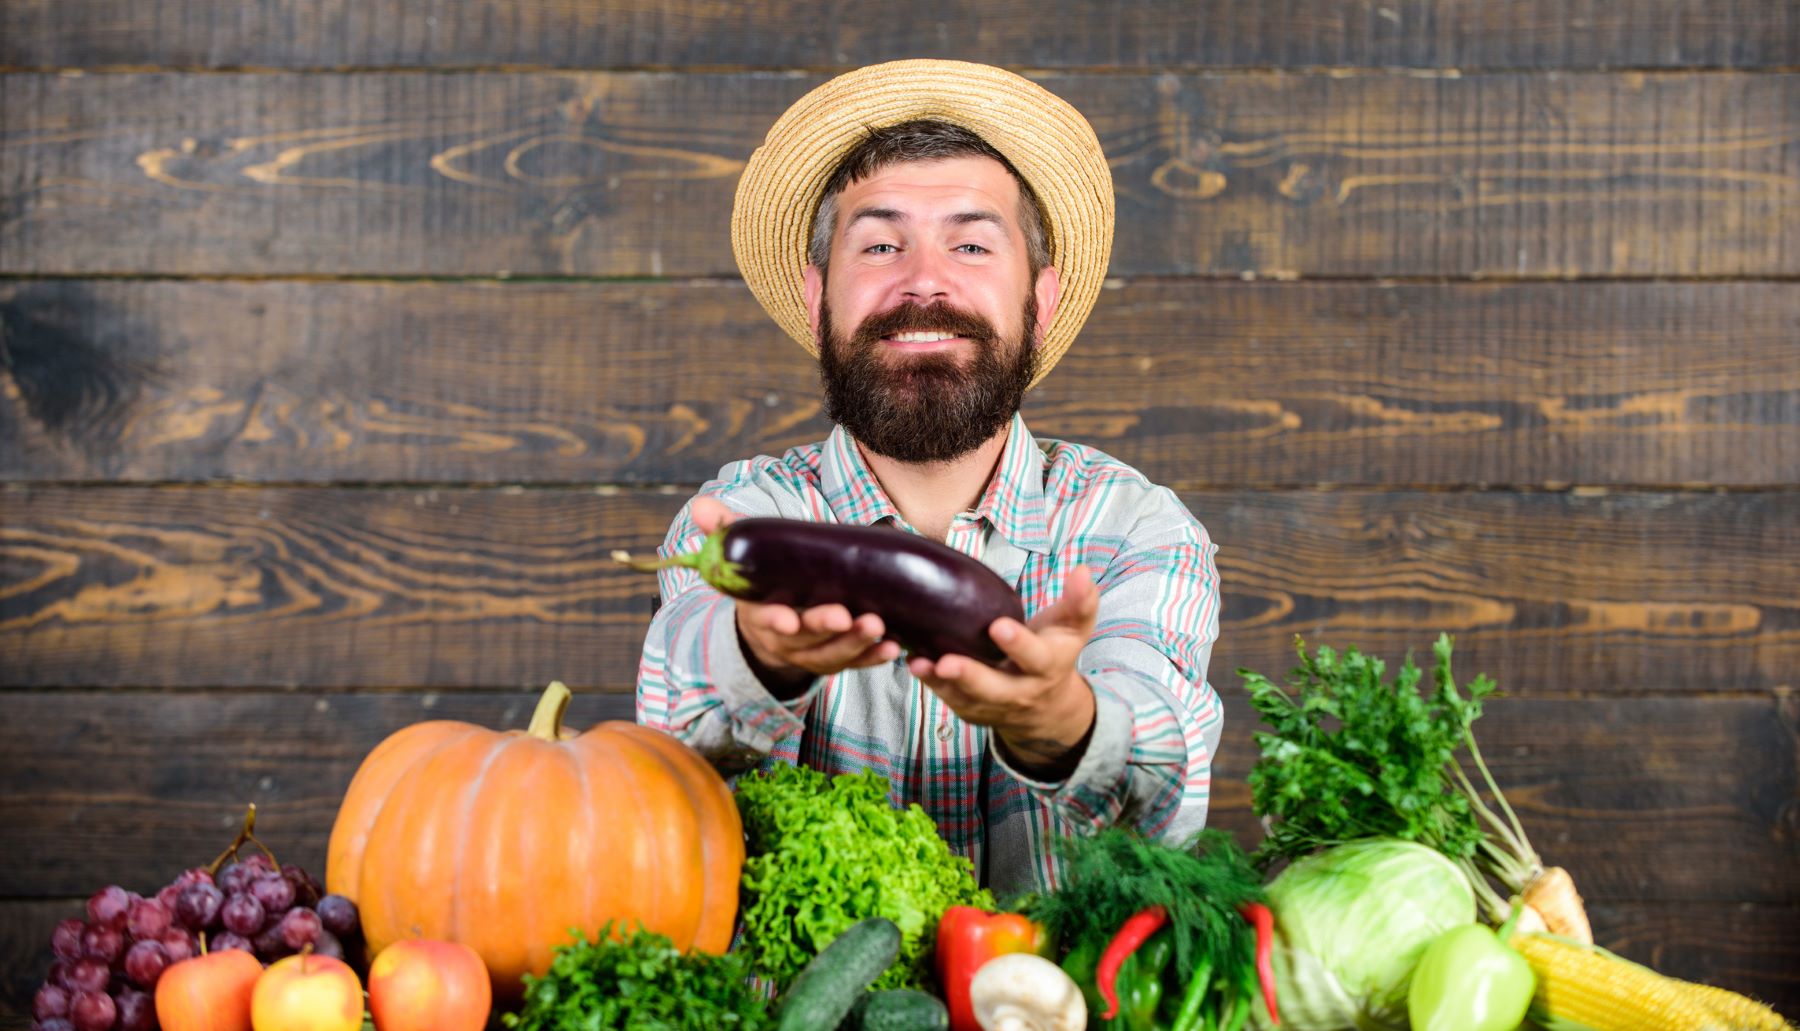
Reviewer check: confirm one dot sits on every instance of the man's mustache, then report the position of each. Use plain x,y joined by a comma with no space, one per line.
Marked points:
912,318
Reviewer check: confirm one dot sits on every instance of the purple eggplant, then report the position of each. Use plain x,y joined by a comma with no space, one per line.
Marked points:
933,599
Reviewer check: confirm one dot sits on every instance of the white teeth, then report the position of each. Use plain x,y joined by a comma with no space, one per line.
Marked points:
922,338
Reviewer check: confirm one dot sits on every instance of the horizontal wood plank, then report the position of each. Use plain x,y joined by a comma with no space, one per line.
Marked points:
1197,383
632,174
1639,592
1658,807
1746,948
1462,34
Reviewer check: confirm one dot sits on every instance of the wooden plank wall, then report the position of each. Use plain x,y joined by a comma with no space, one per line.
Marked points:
343,340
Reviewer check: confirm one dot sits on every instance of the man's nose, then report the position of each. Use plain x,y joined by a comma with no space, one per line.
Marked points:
925,278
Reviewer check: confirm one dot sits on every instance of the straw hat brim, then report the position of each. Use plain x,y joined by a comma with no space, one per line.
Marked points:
1047,140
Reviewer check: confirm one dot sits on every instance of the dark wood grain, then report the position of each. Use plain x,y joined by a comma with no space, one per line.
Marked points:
1747,948
1197,383
632,174
1658,807
1635,592
1465,34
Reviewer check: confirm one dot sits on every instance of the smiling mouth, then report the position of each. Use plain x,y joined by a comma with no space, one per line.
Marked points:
921,340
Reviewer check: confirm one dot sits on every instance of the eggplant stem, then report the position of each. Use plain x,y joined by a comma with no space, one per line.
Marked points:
652,565
710,562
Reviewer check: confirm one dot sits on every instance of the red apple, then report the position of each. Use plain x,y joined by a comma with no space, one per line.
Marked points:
307,993
208,993
420,984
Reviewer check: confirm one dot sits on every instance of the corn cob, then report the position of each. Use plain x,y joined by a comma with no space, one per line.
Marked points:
1739,1011
1588,986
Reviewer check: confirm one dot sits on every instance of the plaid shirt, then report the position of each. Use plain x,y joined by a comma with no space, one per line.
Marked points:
1050,506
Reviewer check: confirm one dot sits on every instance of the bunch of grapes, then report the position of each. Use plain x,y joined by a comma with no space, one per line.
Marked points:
106,967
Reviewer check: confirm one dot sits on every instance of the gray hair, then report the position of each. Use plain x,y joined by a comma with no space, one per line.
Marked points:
922,140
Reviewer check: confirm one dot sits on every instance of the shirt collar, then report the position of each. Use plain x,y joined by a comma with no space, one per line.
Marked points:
1013,503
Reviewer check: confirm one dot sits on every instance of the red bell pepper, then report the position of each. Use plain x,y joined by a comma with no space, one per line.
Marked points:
968,937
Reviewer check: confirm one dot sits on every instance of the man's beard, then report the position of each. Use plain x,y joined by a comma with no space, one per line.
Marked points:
930,407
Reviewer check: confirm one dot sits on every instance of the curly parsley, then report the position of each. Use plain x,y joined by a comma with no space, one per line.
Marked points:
640,982
1352,756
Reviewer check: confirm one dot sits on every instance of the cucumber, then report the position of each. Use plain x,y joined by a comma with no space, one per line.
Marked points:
829,985
898,1009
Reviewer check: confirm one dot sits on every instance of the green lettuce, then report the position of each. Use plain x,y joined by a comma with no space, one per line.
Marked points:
827,852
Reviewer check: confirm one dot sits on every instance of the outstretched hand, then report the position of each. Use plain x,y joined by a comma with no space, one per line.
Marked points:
794,646
1037,702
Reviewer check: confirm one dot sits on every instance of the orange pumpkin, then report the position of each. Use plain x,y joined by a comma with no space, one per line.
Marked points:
505,840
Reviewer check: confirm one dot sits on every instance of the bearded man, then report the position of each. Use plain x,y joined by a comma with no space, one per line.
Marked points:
936,233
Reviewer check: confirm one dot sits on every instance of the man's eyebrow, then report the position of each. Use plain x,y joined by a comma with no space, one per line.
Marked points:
881,214
896,215
963,218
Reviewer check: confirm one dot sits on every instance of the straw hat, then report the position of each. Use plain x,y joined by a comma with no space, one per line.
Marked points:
1047,140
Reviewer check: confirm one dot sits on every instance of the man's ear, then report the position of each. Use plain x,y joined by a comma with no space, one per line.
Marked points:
815,292
1049,291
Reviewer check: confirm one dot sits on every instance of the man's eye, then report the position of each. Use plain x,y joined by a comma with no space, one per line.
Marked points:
972,248
882,248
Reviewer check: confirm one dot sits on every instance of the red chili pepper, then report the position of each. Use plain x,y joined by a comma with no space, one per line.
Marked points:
1263,920
1132,933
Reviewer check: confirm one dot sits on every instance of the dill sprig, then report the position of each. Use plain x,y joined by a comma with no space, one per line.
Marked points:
1116,873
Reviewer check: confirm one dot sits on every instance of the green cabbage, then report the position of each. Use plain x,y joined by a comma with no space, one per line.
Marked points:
1350,925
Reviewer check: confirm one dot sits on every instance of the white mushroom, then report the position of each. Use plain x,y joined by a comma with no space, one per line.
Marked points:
1023,992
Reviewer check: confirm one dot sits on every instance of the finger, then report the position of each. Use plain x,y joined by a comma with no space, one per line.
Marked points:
828,620
964,683
709,513
878,654
1078,606
976,682
1030,651
968,705
927,672
944,667
837,652
776,619
947,690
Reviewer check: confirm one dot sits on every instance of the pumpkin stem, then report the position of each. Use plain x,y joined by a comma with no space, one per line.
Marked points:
546,720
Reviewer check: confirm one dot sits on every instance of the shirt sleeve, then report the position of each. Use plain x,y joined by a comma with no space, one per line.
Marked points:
693,680
1157,720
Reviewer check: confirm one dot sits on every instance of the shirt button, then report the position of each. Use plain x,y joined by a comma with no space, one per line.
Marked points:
943,732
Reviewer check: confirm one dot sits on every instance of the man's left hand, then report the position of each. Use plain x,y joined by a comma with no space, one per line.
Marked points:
1037,702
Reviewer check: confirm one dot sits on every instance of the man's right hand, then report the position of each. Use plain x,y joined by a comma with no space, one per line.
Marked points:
788,648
